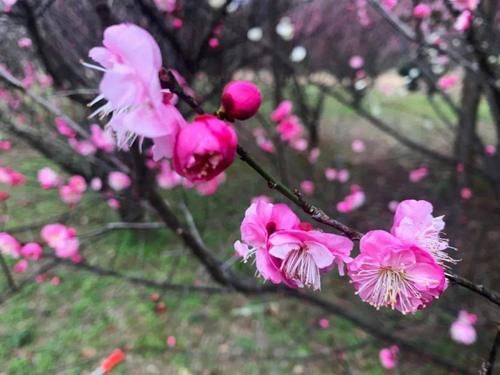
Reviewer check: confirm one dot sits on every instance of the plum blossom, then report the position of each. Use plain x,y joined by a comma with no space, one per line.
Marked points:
390,273
261,220
490,150
102,139
418,174
119,181
314,155
5,145
31,250
63,128
24,42
240,100
84,147
388,357
331,174
465,4
131,61
422,11
210,187
304,255
462,330
307,187
167,178
356,62
61,239
464,21
446,82
324,323
466,193
48,178
96,184
389,4
4,196
415,225
354,200
282,111
72,193
21,266
9,245
358,146
204,148
11,177
298,54
290,129
8,4
166,5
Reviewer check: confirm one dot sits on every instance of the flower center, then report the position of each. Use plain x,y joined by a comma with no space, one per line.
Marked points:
300,267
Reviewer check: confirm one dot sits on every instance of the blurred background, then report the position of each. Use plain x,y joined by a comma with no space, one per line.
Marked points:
387,103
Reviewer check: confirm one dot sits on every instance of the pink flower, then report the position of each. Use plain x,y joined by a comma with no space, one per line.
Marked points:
210,187
314,155
393,206
131,62
307,187
11,177
166,5
213,42
265,144
67,248
415,225
466,193
262,198
171,341
24,42
418,174
358,146
343,175
119,181
422,11
102,140
167,178
282,111
113,203
56,235
96,184
299,144
490,150
261,221
204,148
306,254
390,273
8,4
48,179
462,330
32,250
55,280
21,266
465,4
464,21
5,145
177,23
331,174
324,323
389,4
241,100
84,148
352,201
9,245
356,62
63,128
388,357
4,196
290,128
446,82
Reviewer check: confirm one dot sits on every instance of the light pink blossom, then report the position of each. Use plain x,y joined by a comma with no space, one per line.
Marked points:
261,221
63,128
204,148
464,21
61,239
307,187
331,174
354,200
446,82
358,146
265,144
24,42
11,177
418,174
462,330
84,148
490,150
9,245
48,178
389,4
166,5
102,139
343,175
96,184
21,266
8,4
119,181
171,341
356,62
241,100
324,323
466,193
5,145
388,357
415,225
290,128
390,273
167,178
210,187
465,4
306,254
113,203
314,155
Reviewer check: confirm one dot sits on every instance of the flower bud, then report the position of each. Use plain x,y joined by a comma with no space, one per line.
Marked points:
241,100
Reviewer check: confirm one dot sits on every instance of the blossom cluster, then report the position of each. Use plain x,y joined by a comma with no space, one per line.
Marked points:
402,269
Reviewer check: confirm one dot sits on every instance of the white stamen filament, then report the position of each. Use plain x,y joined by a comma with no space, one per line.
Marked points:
300,267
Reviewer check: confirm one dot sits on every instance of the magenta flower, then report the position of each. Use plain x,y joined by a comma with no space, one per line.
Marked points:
418,174
9,245
32,250
282,111
390,273
11,177
464,21
305,254
204,148
61,239
261,220
63,128
354,200
21,266
415,225
462,330
48,179
388,357
241,100
119,181
422,11
290,129
307,187
446,82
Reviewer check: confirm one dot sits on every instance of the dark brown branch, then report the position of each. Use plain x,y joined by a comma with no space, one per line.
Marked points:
489,365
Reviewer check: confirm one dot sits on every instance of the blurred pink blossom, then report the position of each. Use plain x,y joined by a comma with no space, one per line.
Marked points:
422,11
464,21
358,146
388,357
102,139
462,330
307,187
466,193
418,174
48,178
119,181
32,250
356,62
448,81
9,245
354,200
21,266
282,111
24,42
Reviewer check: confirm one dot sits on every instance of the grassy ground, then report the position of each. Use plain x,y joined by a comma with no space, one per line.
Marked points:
69,328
